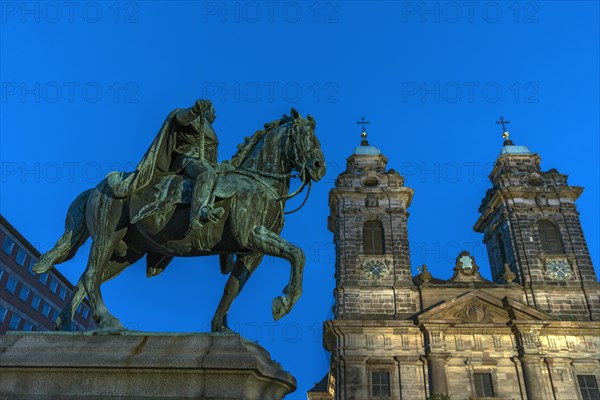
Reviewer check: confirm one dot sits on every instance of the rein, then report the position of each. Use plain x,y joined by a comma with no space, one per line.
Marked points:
255,174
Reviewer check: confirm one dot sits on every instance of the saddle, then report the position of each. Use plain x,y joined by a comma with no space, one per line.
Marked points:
166,192
161,193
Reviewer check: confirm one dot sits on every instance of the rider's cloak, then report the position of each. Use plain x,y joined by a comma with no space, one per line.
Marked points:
156,162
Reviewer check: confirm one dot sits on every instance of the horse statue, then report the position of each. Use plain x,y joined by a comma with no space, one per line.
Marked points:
252,192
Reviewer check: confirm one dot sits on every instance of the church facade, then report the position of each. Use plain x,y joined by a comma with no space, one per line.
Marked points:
532,332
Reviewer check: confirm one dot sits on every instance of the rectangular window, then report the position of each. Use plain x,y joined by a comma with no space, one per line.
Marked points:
3,312
27,326
1,274
35,303
30,269
85,313
7,245
78,310
63,293
53,286
44,278
380,384
24,294
15,320
46,310
588,387
11,285
54,315
483,385
21,256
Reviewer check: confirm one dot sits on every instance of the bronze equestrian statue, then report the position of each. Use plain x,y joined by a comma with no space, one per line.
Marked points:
180,202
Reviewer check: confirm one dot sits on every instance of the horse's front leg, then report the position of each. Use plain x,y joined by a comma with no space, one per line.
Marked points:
267,242
242,269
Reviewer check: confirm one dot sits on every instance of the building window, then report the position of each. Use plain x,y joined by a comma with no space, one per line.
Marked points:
54,315
53,286
380,384
24,294
85,313
588,387
11,285
7,245
44,278
3,312
373,238
30,269
35,303
483,385
46,310
27,326
21,256
550,237
63,293
15,320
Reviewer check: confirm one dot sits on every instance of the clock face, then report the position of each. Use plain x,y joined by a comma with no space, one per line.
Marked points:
559,270
375,269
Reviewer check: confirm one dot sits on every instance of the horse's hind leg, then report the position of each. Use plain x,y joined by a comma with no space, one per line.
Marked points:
76,233
242,269
65,319
103,217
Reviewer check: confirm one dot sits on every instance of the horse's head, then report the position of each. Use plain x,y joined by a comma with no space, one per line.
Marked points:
304,149
285,145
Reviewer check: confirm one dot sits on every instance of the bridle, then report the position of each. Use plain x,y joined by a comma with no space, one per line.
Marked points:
294,150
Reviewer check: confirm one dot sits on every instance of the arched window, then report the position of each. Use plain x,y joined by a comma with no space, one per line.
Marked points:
373,238
550,237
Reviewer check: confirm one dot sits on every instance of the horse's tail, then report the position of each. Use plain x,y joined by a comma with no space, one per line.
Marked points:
76,233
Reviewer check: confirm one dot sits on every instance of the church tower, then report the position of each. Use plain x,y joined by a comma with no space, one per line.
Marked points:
530,223
369,213
530,333
372,338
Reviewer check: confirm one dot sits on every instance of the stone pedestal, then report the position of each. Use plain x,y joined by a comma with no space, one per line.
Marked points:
66,365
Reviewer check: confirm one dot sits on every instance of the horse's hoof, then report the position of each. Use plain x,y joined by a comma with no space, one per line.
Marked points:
278,307
42,266
63,325
151,272
110,325
222,329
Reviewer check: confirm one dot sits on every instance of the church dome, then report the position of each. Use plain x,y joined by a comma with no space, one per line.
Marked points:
367,150
510,148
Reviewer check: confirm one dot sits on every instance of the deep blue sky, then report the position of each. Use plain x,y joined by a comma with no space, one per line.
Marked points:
431,81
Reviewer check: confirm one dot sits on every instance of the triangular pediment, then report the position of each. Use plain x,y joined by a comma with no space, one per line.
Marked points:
479,307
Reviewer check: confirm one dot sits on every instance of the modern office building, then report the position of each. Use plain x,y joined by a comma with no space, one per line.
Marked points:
31,302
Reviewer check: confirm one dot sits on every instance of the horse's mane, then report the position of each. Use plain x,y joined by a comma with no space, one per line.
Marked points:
250,141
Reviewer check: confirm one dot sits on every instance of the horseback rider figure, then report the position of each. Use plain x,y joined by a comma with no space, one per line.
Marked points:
186,144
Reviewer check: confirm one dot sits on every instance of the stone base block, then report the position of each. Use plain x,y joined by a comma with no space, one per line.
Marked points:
68,365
